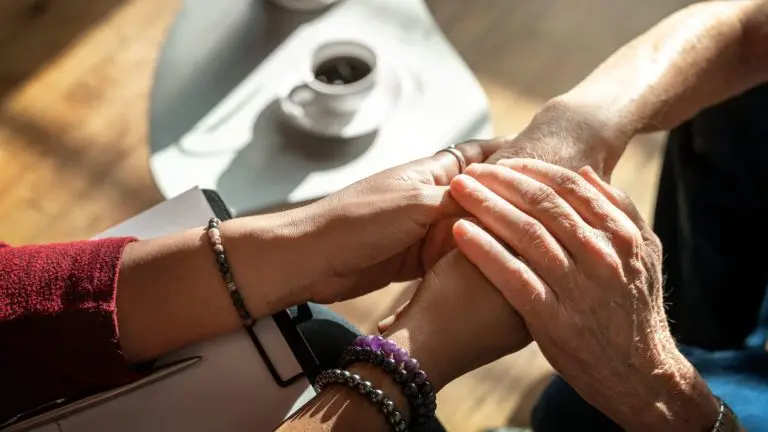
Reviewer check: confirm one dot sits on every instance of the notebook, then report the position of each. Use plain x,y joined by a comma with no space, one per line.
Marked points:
245,381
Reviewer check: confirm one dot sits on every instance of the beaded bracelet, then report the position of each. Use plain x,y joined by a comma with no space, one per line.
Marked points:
338,376
226,272
404,370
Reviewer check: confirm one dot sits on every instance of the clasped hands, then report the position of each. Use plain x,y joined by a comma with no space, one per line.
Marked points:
550,254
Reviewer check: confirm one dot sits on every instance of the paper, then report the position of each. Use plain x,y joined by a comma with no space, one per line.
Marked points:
230,389
186,211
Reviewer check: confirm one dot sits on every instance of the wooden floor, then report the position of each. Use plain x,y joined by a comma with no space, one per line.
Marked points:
74,83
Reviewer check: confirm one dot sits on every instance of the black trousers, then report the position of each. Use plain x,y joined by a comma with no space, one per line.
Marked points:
712,219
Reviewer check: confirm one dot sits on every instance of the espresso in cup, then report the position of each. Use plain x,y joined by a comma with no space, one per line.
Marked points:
338,78
342,70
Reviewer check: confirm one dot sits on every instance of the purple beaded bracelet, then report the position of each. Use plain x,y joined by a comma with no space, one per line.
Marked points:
390,349
404,369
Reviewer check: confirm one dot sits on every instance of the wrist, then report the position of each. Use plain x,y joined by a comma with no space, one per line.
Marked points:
422,348
572,133
677,398
384,382
272,258
592,125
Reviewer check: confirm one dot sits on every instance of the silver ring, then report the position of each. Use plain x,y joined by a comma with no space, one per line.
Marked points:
457,154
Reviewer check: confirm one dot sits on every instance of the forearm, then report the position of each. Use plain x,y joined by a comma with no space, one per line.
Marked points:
695,58
170,293
449,326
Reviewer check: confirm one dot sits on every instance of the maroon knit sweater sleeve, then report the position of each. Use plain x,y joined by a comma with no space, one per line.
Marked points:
58,328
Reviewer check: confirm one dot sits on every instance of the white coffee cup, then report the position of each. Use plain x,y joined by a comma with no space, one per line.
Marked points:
337,80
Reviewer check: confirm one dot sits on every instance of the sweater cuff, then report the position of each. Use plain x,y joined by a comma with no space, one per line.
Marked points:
58,319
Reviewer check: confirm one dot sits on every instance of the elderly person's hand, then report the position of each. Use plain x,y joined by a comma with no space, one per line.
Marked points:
567,134
584,270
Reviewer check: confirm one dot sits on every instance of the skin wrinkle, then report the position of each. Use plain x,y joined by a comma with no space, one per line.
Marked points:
685,73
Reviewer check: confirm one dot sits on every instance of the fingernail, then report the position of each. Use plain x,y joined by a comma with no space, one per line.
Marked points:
461,182
471,169
463,229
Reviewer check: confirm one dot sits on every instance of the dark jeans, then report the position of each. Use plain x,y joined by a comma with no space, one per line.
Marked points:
328,335
711,216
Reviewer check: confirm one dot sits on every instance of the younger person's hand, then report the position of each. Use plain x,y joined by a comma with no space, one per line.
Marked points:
392,226
457,321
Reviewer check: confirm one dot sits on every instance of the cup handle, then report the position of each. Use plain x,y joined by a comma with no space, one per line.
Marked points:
301,95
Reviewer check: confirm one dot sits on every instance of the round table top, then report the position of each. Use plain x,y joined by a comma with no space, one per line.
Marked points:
220,74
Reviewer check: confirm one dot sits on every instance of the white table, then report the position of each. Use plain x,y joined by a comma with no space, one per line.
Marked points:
215,121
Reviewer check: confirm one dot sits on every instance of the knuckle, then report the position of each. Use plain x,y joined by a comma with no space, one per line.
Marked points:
531,232
654,241
589,237
606,259
419,199
488,205
416,195
623,234
626,238
626,204
570,181
540,196
513,267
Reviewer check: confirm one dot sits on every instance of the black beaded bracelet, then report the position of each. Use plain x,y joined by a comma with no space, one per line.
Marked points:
417,389
226,272
337,376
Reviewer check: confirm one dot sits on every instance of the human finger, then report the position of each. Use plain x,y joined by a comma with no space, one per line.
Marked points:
522,232
517,282
624,203
592,205
442,166
539,201
386,323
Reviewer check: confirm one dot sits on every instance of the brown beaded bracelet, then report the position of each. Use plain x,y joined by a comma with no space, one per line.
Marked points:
226,272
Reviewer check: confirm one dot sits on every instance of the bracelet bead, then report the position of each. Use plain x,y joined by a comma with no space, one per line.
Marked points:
214,235
389,365
404,371
365,388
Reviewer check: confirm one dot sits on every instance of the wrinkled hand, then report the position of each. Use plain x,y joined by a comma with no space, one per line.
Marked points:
568,135
584,271
389,227
559,133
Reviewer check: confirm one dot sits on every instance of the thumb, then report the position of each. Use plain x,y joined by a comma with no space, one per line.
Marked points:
440,202
387,322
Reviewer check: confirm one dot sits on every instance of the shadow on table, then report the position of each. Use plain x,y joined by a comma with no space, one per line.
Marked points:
211,48
541,48
34,32
279,158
